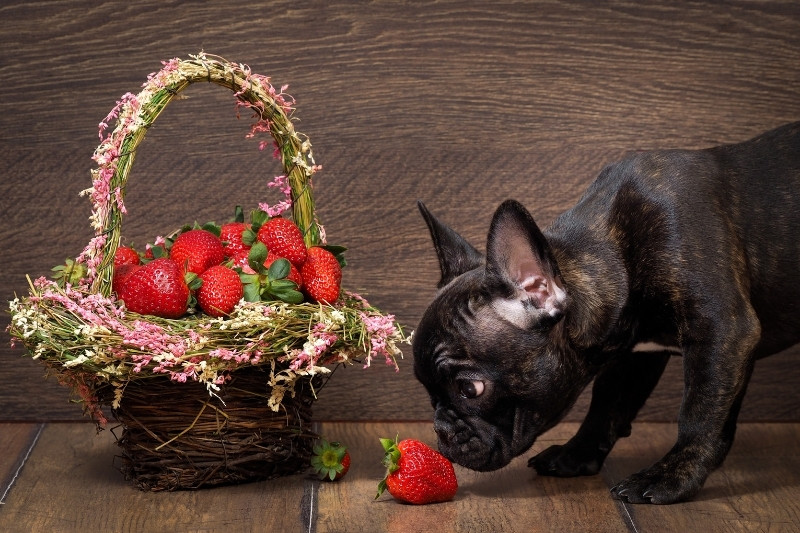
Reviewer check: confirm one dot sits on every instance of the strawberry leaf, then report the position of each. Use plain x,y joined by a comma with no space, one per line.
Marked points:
252,292
249,237
238,214
258,218
257,256
285,290
381,488
248,278
158,252
279,269
212,228
192,281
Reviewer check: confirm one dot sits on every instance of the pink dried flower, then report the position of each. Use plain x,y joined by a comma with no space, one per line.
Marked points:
380,328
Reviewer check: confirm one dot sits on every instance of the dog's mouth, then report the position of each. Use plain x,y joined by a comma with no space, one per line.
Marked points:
479,445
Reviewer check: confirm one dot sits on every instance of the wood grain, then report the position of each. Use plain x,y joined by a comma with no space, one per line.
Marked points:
508,500
69,483
16,441
756,489
456,104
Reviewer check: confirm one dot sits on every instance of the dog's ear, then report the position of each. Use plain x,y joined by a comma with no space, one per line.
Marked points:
518,252
456,255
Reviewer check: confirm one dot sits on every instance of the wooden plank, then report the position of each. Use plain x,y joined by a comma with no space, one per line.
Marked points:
510,500
70,484
756,489
16,442
462,107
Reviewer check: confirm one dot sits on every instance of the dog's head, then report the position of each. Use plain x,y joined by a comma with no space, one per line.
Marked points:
491,349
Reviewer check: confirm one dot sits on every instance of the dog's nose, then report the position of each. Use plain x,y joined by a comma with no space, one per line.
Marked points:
443,429
444,438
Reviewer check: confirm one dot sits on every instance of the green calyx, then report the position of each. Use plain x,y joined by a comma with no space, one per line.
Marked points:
391,460
257,219
70,273
327,459
268,283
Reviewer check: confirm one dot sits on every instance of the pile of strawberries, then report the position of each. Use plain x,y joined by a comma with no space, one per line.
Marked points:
217,266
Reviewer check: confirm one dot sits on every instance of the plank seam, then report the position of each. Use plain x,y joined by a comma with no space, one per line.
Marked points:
21,465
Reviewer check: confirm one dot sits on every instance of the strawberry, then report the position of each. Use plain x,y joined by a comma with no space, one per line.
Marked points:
196,250
416,473
220,292
121,275
293,275
239,259
125,255
322,275
231,236
157,288
331,460
283,238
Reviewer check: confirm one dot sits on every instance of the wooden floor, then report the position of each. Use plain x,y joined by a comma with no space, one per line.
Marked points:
60,477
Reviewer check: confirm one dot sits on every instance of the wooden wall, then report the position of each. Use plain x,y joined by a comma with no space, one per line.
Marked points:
457,105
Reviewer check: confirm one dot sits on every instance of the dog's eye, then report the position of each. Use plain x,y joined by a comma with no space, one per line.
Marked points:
471,388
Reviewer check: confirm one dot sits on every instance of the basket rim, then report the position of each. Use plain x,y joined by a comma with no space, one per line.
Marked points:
134,114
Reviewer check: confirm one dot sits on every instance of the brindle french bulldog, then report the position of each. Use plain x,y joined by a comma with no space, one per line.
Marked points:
694,249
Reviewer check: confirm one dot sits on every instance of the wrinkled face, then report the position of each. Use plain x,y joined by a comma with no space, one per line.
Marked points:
494,384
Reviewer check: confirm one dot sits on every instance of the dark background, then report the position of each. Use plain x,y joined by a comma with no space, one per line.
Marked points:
457,105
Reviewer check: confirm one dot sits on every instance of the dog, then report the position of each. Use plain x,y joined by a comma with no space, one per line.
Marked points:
692,249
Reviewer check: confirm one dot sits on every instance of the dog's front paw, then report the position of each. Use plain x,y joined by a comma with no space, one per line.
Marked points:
659,485
567,461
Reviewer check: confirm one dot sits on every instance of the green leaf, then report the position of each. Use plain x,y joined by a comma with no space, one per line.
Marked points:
283,285
192,281
238,214
252,292
212,228
335,249
381,488
290,296
279,269
158,252
248,278
257,256
249,237
258,218
387,444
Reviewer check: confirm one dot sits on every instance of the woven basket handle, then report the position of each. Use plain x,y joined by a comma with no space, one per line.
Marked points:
136,113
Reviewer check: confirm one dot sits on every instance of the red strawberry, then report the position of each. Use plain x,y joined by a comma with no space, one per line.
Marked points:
331,460
121,275
231,236
294,274
322,275
416,473
283,238
220,292
157,288
125,255
196,250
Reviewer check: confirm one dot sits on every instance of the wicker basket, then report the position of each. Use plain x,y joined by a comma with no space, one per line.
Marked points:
241,417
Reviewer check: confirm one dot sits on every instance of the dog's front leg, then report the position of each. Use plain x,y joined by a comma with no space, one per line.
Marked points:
716,377
619,391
